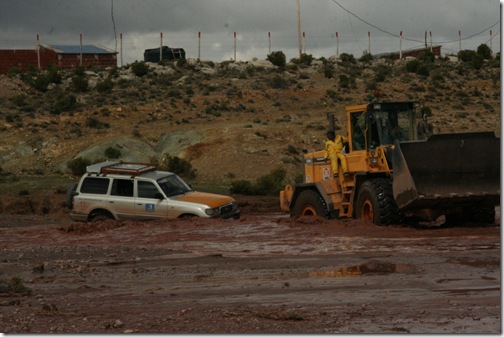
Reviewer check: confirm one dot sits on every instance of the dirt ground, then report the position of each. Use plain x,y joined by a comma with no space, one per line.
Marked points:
264,273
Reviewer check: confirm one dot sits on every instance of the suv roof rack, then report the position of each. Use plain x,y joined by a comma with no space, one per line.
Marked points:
111,167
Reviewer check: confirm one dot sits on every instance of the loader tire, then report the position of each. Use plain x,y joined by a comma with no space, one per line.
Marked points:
375,203
309,202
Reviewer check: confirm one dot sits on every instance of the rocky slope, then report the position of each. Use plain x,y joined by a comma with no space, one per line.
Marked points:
229,120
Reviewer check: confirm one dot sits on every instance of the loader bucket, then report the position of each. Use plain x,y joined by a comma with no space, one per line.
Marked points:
447,171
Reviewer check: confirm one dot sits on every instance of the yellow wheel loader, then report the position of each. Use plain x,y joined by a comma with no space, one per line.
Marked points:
394,177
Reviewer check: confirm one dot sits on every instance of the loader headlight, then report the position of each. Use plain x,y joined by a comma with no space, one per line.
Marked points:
373,160
377,107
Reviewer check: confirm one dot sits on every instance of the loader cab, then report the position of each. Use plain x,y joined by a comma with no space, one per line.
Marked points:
382,124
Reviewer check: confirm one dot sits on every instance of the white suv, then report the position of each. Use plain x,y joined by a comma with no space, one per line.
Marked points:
121,191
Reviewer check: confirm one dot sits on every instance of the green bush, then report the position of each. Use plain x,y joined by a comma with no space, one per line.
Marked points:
14,286
278,82
427,56
64,103
277,58
40,82
80,83
306,59
3,175
19,100
181,62
269,184
104,86
477,61
178,166
466,55
366,57
291,149
139,68
53,75
413,65
328,71
112,153
347,58
381,73
485,51
244,187
93,122
423,70
78,165
344,81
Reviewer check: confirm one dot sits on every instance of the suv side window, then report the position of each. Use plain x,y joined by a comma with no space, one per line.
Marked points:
147,189
122,187
95,185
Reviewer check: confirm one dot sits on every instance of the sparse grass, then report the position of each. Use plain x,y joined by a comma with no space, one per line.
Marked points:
14,286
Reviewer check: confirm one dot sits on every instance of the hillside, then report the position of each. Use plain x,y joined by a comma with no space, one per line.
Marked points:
231,121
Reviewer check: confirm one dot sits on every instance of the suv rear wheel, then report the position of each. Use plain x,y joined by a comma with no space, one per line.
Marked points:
70,194
102,216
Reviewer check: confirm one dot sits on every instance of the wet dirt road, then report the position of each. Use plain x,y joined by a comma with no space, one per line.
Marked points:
260,274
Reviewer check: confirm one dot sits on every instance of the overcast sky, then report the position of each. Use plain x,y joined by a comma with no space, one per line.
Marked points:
142,21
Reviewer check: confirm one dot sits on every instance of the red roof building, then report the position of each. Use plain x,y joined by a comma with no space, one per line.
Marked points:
61,56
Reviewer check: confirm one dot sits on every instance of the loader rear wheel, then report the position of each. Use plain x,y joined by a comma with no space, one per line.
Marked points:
375,203
309,202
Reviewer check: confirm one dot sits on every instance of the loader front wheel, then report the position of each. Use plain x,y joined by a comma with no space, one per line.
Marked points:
311,203
375,203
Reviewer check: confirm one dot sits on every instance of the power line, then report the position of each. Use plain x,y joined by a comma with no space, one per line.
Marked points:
113,23
405,38
353,32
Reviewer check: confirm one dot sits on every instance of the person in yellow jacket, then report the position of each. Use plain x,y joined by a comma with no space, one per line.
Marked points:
333,152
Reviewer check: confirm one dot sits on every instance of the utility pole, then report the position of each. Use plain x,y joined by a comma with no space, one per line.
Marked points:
269,43
199,46
80,62
337,44
491,41
460,41
369,42
38,52
160,46
121,46
400,46
299,30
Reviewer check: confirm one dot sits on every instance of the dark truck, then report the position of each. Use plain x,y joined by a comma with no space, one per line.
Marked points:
164,53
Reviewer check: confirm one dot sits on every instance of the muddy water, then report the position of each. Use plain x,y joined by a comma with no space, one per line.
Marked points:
260,274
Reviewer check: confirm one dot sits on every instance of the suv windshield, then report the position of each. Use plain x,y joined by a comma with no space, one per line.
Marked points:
173,185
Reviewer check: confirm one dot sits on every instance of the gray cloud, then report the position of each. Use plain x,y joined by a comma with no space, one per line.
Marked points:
140,22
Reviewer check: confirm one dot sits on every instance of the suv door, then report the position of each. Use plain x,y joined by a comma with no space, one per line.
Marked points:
122,199
92,194
148,203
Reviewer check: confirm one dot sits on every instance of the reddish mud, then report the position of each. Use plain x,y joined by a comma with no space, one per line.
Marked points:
264,273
